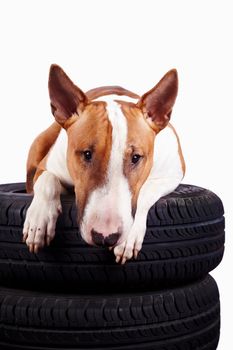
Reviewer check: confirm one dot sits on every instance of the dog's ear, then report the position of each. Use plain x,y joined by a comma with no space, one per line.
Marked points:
157,103
66,98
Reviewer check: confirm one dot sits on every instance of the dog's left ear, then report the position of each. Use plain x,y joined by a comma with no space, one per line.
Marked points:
66,98
157,103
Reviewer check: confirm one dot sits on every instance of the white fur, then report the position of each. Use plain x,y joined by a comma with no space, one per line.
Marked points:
119,138
167,161
57,159
114,212
41,218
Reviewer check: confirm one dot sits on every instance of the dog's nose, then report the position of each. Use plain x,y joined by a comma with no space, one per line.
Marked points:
112,239
108,241
97,238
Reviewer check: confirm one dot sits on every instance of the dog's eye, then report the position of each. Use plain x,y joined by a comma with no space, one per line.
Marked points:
87,155
135,158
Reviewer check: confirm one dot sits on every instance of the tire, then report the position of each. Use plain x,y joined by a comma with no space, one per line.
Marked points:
184,241
182,318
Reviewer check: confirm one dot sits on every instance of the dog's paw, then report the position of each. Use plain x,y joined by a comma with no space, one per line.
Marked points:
40,223
131,247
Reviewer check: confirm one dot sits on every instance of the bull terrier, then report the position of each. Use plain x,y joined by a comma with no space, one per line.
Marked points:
119,154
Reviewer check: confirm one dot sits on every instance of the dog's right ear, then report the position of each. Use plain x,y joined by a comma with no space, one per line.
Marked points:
157,103
66,98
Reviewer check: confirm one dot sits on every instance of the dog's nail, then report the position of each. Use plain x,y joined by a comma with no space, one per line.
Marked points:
30,248
48,240
135,253
36,248
123,261
118,258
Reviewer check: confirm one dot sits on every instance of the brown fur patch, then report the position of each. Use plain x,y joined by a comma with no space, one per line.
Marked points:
38,150
140,141
110,90
92,131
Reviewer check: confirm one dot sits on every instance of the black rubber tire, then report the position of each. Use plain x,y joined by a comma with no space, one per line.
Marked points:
182,318
184,241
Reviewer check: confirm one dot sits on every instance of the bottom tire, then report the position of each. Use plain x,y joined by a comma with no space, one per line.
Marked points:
182,318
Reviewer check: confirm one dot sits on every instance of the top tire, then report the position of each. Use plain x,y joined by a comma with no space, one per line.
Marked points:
184,241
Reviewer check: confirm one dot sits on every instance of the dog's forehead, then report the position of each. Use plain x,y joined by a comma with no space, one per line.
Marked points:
107,118
126,119
119,131
123,110
130,130
118,104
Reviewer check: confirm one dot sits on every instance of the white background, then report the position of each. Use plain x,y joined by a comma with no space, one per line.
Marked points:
130,43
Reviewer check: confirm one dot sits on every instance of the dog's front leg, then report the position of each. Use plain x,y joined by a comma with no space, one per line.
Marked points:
40,222
151,191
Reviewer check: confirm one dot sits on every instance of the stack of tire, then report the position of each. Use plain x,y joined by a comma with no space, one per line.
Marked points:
74,296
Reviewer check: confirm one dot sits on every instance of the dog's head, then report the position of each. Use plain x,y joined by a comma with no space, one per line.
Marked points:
110,151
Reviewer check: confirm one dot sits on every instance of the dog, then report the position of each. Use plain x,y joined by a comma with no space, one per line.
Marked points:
119,153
